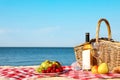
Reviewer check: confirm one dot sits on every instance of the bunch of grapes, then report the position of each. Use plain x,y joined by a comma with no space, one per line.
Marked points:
50,67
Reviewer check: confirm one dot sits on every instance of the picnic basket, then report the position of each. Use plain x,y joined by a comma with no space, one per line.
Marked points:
109,50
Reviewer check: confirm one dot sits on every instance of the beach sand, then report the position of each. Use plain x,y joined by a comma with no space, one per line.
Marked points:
50,78
56,78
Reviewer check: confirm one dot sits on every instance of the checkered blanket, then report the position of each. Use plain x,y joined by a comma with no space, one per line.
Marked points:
26,73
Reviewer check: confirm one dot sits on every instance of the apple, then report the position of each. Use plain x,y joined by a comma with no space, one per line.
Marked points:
94,69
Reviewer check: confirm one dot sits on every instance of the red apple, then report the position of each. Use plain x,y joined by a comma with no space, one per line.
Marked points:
94,69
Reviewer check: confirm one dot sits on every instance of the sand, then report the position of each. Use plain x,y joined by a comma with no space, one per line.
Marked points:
56,78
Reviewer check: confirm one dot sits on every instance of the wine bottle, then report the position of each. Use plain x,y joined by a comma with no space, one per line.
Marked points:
87,54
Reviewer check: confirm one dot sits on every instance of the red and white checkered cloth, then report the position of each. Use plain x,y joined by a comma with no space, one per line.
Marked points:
26,73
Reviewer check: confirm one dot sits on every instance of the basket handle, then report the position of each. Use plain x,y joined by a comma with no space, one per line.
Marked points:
98,29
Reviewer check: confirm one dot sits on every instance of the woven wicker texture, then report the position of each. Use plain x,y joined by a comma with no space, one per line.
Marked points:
109,50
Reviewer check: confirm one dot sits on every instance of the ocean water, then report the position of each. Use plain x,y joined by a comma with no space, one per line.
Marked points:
27,56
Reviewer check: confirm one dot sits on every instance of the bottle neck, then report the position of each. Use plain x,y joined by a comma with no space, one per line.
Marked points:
87,37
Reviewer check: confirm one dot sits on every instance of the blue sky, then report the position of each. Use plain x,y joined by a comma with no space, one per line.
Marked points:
55,23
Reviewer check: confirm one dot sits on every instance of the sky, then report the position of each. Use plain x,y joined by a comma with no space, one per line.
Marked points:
55,23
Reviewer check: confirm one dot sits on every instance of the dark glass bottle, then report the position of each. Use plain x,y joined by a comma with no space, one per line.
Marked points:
87,59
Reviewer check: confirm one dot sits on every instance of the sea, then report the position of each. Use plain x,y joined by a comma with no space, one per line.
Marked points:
29,56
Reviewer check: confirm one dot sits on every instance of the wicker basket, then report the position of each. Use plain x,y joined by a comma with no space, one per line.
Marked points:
109,50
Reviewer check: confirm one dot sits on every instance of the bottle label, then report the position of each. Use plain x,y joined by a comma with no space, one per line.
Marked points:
86,59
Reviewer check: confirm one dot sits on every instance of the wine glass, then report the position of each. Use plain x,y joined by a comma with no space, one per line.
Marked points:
96,50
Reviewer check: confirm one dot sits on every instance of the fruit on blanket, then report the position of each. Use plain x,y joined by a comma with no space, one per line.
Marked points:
49,67
94,69
56,63
103,68
45,65
40,69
